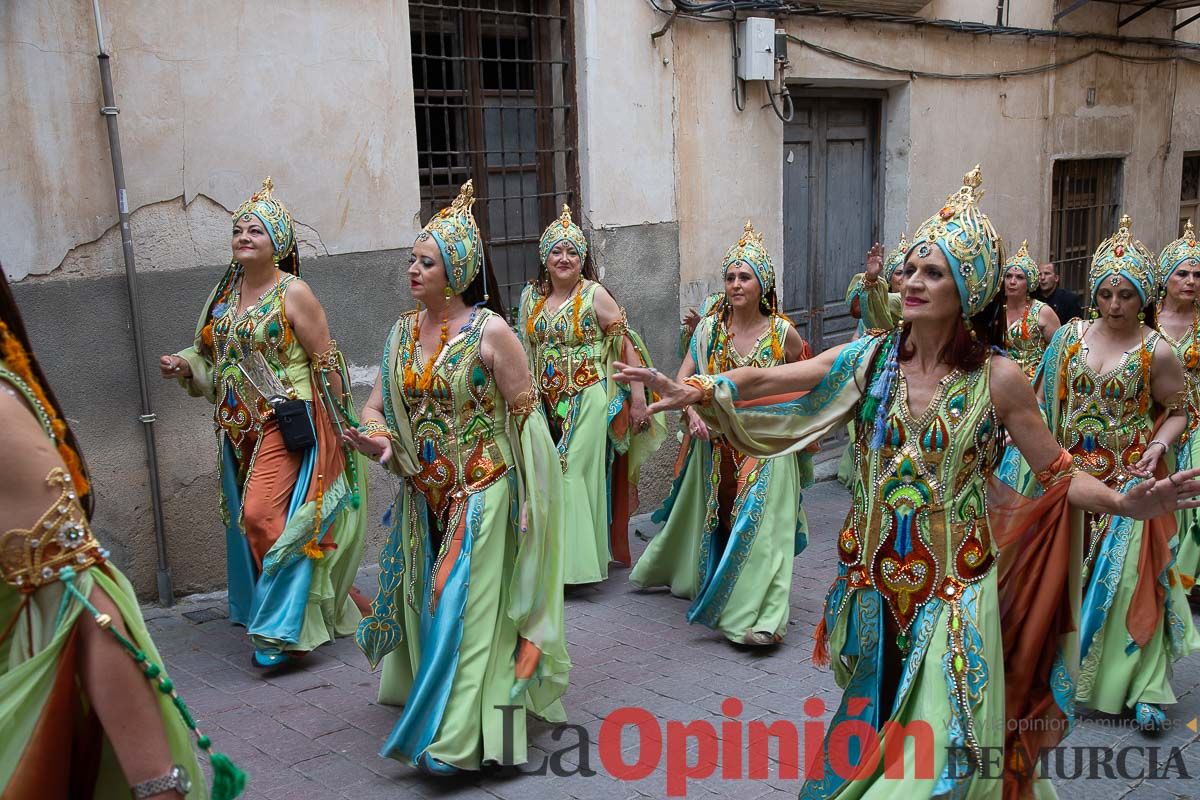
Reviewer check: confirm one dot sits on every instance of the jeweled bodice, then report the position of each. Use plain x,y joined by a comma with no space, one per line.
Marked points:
459,422
567,344
918,525
263,327
716,348
1105,422
1187,350
1024,340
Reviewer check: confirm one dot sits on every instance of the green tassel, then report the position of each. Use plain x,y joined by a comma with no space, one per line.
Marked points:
228,781
355,500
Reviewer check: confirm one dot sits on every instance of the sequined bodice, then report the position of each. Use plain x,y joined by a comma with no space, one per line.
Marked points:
1187,350
567,346
458,425
918,525
262,327
1105,426
712,340
1024,340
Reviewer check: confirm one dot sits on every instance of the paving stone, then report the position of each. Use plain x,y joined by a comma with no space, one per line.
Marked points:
313,730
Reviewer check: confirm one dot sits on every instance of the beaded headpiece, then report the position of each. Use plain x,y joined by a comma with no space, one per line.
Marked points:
971,245
563,229
751,249
274,217
895,259
1122,256
457,237
1024,262
1182,250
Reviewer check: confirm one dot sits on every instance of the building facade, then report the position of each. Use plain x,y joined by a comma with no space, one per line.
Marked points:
368,116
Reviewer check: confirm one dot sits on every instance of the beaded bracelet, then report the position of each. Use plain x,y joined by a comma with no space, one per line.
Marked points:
706,384
374,429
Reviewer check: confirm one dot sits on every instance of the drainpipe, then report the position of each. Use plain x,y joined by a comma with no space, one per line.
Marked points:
1000,12
166,593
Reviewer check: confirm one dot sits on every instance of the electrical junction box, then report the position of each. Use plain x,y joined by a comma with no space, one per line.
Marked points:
756,49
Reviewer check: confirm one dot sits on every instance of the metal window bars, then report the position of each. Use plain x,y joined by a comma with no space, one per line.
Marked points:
494,97
1086,196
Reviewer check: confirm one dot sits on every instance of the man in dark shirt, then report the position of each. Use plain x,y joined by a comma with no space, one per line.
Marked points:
1065,304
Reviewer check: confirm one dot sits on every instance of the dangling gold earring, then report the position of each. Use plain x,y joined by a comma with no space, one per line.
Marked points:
447,293
1141,316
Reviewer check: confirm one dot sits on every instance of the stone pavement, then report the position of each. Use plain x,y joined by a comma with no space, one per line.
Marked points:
314,732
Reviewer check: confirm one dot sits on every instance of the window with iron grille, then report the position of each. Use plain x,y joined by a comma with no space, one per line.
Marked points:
1189,191
494,95
1085,199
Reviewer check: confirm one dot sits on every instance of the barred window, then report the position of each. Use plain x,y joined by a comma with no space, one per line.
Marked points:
494,86
1086,196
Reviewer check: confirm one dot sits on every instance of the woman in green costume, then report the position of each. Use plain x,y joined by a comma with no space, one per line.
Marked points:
928,620
573,330
86,709
294,510
1029,323
1179,323
468,620
1105,382
733,524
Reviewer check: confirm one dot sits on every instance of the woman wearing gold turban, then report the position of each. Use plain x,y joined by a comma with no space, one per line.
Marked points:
468,620
733,524
948,608
573,330
294,509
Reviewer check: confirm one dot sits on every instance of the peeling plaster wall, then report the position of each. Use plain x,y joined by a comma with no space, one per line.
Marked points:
212,99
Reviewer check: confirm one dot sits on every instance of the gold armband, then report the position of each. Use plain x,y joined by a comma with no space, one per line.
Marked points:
1176,402
618,328
524,403
328,361
706,384
1060,469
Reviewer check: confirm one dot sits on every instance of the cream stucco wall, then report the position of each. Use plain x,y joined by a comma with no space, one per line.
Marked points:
213,96
625,91
934,129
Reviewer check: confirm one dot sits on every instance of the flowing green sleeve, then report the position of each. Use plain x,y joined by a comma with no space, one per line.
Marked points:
767,431
404,450
535,594
878,307
201,383
636,445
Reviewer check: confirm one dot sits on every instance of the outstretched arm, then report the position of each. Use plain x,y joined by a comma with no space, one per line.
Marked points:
751,382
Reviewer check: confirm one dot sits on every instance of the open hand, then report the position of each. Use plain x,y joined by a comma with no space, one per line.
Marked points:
690,320
1155,498
671,394
874,261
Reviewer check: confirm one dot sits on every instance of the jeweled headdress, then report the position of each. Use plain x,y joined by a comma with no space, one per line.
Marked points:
563,229
1182,250
457,237
274,217
971,245
1122,256
1025,262
751,249
895,259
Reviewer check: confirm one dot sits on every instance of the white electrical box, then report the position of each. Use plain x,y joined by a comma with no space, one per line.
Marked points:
756,49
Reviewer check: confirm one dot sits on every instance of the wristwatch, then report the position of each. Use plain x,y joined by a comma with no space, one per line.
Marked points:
177,779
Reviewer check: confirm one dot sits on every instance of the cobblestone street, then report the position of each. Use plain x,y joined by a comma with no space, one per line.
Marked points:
315,732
